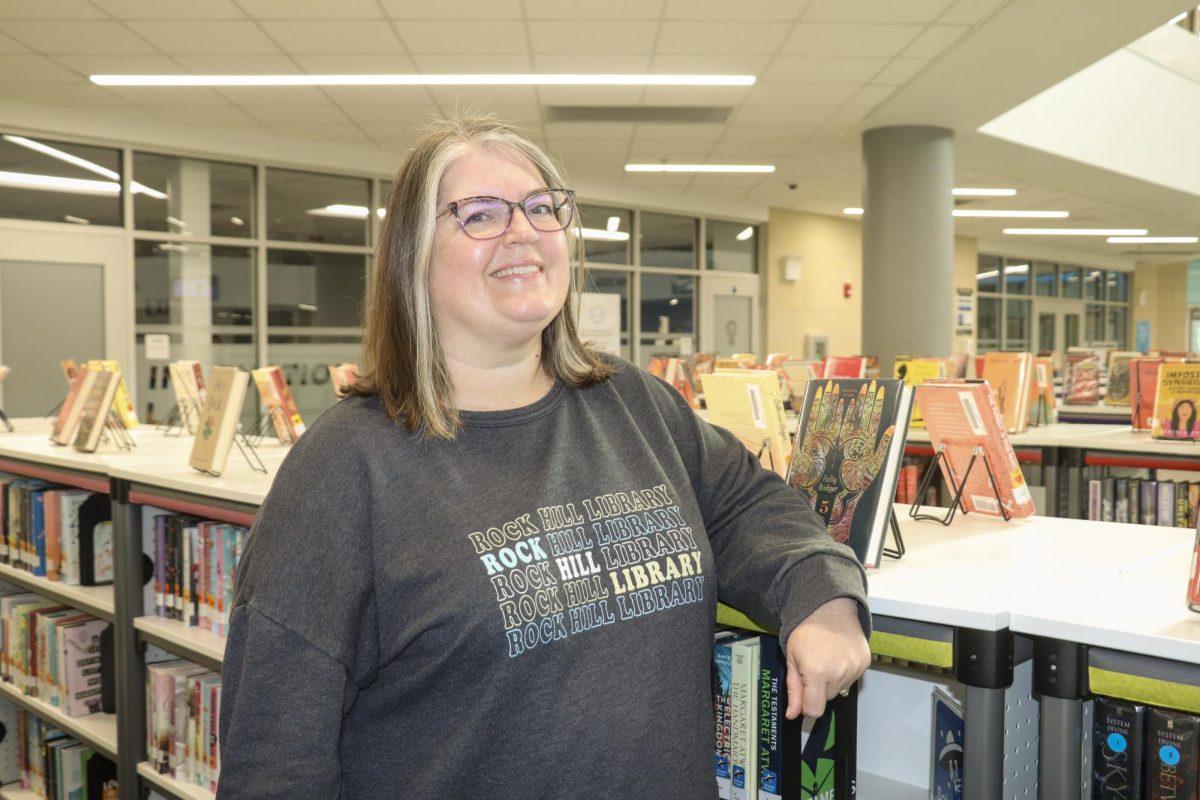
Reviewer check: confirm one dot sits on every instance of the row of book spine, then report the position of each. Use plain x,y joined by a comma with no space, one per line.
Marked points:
53,652
56,532
1141,752
759,754
183,709
56,766
1144,501
909,481
195,565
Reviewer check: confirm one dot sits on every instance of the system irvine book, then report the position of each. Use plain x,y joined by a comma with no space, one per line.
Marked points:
849,444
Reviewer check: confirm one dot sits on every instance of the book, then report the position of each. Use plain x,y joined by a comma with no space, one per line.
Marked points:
722,677
1143,381
1082,383
81,669
1119,385
291,412
914,372
95,541
122,403
1172,738
187,384
743,718
272,402
849,445
1193,587
1176,400
342,377
1118,748
96,409
844,367
963,421
1009,375
67,422
219,419
747,403
1042,401
946,750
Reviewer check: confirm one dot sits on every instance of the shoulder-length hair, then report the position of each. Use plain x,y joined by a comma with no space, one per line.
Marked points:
404,363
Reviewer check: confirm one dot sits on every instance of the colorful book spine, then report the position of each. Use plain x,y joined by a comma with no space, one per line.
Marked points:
743,727
722,699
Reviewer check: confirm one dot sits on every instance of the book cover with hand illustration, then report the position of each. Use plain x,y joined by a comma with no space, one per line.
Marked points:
849,444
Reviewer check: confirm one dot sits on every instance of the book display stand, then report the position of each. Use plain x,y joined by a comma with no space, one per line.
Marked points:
977,454
7,423
182,418
896,552
119,436
248,452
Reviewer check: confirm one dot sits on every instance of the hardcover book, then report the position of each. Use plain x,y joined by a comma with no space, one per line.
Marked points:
219,420
747,403
1082,384
67,422
963,421
96,409
849,445
722,678
264,381
1143,381
122,403
187,383
743,723
1009,375
1118,377
845,367
914,372
1176,402
1118,737
946,751
291,411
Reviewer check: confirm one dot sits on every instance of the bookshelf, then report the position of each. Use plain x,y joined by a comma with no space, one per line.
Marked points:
96,600
97,731
179,790
195,644
13,791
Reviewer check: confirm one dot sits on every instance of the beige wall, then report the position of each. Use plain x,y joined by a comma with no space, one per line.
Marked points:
1163,288
966,261
814,305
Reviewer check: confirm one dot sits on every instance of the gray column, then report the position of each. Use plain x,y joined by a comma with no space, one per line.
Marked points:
908,242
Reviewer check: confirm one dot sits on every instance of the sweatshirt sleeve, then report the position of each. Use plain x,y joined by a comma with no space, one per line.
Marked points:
303,632
776,562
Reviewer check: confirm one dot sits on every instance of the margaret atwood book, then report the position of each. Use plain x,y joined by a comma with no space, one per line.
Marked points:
964,421
849,445
219,419
96,408
747,403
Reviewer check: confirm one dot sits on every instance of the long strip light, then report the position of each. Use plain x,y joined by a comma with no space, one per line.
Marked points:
426,80
969,192
82,163
53,183
1076,231
988,212
599,235
1153,239
699,167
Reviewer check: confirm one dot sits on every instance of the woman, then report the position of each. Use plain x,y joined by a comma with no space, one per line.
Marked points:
494,571
1183,424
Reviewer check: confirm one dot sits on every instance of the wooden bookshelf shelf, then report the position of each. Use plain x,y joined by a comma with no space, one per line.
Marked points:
97,731
194,644
178,790
13,791
95,600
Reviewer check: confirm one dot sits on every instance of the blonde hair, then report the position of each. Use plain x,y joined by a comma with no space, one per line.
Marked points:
404,363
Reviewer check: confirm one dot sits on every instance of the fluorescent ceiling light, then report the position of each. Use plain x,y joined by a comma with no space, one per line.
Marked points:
381,212
76,220
699,167
854,212
82,163
968,192
1075,231
597,235
991,273
746,233
426,80
1016,268
1153,239
988,212
340,210
237,220
53,183
995,273
1180,17
613,224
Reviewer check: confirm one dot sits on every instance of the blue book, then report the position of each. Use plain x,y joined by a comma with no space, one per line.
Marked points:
722,679
37,516
946,767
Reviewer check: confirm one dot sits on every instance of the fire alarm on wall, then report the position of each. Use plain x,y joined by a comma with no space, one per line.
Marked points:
847,290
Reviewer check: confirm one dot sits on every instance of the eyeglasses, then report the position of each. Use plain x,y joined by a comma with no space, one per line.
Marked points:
548,210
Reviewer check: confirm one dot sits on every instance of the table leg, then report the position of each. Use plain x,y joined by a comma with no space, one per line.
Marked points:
983,750
1060,732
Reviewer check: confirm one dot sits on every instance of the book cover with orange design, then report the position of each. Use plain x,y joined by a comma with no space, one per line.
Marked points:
1009,375
1176,400
291,411
67,421
264,381
963,420
845,367
1143,382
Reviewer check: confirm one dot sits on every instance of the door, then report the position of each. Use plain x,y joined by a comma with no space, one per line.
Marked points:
64,293
729,315
1059,326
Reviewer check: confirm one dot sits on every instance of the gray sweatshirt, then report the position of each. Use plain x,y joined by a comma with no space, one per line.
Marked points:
524,612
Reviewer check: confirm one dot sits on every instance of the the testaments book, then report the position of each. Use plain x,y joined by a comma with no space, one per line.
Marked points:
219,419
849,445
1177,402
963,420
747,403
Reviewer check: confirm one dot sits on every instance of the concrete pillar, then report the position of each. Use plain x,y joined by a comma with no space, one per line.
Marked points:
908,243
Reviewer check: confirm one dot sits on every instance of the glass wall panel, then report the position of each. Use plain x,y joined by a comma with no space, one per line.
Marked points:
611,281
1093,284
668,313
1072,281
668,240
606,232
202,297
191,196
51,181
313,302
988,337
313,207
730,246
1016,276
1118,286
1016,324
1118,326
987,274
1045,279
1093,330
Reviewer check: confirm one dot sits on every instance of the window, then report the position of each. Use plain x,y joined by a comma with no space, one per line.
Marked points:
668,240
988,335
1072,281
611,281
987,275
1118,286
1093,284
51,181
730,246
193,197
1016,276
606,232
1016,324
667,313
313,207
1045,279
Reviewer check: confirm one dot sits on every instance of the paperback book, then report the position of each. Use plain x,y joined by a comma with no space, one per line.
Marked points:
747,403
946,750
1118,749
219,420
96,409
1009,375
1119,385
845,367
1172,739
914,372
1176,401
1082,382
1143,382
849,445
123,402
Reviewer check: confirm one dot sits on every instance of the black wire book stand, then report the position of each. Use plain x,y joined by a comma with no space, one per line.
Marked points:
977,456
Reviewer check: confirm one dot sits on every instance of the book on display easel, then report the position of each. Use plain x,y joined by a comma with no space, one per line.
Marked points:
747,402
187,384
98,414
218,430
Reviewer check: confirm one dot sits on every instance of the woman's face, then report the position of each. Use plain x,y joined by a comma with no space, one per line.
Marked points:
492,295
1185,414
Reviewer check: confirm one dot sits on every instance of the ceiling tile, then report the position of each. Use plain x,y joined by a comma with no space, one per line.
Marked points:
474,36
591,148
205,116
801,94
462,9
821,39
206,38
119,65
390,114
471,63
35,68
669,152
310,9
366,64
801,116
321,133
934,40
334,36
781,134
566,130
677,133
695,95
899,71
722,9
40,9
728,38
71,36
595,37
72,95
706,64
378,95
277,64
168,95
875,10
822,69
969,12
610,9
747,153
273,95
170,9
296,114
464,96
590,95
10,45
656,181
870,96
